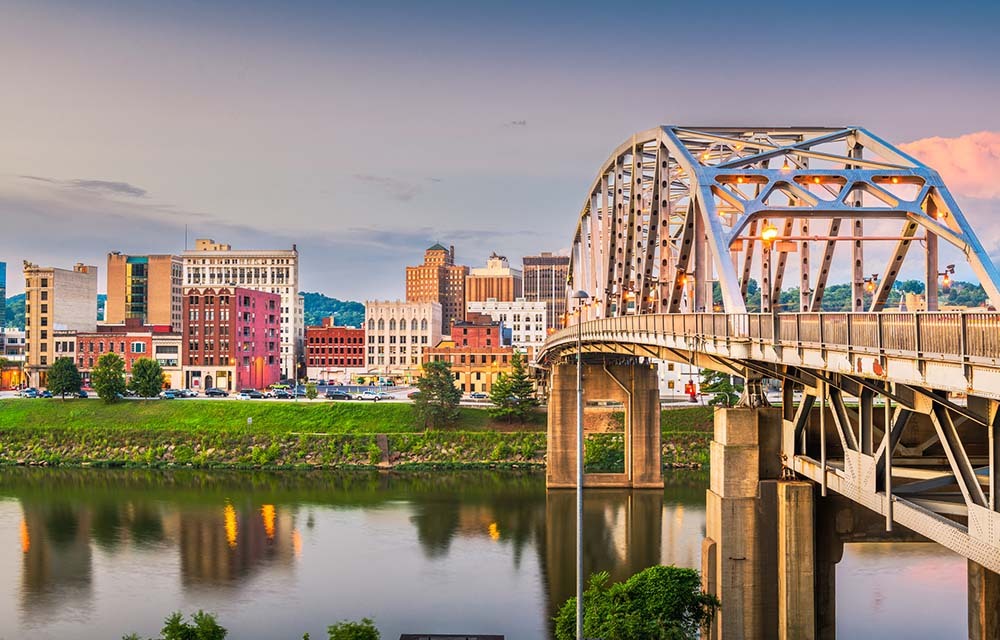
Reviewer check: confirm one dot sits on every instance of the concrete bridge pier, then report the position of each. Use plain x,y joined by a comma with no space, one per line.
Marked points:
636,387
984,603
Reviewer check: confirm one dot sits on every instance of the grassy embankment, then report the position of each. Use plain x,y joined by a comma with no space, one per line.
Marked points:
295,435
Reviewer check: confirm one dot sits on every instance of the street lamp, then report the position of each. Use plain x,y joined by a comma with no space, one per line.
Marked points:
580,297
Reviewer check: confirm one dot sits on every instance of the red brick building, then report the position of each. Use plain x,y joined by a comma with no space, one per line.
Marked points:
130,341
478,331
232,338
334,353
476,351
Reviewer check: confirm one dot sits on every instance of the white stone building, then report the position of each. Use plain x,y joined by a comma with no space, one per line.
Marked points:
272,271
526,320
397,333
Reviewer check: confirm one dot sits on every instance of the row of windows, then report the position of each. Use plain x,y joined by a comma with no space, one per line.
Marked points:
392,360
355,339
337,362
471,358
392,324
99,346
327,350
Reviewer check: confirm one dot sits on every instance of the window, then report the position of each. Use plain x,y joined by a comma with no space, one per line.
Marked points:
138,347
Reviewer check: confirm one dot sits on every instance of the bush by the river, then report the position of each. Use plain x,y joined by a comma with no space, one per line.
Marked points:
203,626
659,603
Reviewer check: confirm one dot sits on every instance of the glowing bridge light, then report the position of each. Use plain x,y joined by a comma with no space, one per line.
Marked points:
769,234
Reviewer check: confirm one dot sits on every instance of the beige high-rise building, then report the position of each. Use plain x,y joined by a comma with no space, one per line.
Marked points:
496,281
439,280
56,300
272,271
397,334
144,287
545,278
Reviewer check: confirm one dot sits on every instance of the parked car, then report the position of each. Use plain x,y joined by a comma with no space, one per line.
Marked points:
278,394
336,394
29,393
242,396
45,394
187,393
374,396
478,395
413,395
215,392
82,394
252,393
168,394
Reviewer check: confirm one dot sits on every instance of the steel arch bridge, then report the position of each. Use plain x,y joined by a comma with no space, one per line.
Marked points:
685,241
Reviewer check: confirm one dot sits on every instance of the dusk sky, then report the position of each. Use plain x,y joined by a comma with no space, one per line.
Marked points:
366,133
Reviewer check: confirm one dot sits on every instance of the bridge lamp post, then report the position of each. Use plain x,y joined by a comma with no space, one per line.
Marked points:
580,297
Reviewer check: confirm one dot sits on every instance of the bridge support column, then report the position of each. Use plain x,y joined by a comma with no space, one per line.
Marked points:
637,388
738,556
984,603
796,562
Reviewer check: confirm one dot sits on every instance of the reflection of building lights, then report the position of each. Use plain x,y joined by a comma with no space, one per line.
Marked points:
494,531
25,537
296,542
267,515
230,517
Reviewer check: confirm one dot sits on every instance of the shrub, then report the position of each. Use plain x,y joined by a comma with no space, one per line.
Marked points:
347,630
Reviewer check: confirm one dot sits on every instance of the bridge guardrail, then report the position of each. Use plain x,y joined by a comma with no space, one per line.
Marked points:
958,336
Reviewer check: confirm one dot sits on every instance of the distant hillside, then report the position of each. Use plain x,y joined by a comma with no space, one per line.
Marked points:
14,317
346,313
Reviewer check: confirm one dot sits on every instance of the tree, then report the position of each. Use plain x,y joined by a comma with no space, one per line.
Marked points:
147,377
64,377
311,391
721,386
658,603
436,404
347,630
513,396
108,377
203,626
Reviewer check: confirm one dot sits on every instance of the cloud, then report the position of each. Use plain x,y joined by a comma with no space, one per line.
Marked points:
969,164
99,186
396,189
516,123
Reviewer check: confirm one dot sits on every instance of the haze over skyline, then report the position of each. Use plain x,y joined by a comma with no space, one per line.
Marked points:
365,133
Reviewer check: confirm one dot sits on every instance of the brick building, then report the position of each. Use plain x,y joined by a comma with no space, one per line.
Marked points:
232,338
439,280
130,340
334,353
496,281
477,352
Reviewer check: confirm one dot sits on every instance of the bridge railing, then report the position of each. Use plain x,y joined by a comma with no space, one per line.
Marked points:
941,335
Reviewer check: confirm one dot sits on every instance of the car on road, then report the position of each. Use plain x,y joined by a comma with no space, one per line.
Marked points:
242,396
216,393
82,394
253,393
478,395
335,394
45,394
186,393
278,394
374,396
168,394
28,393
413,395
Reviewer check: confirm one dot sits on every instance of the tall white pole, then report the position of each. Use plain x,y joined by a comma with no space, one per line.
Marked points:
579,475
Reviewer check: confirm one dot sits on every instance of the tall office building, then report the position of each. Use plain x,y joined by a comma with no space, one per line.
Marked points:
439,280
496,281
144,288
545,279
397,334
56,300
212,264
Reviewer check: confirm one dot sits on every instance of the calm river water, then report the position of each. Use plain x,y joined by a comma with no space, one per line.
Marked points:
100,553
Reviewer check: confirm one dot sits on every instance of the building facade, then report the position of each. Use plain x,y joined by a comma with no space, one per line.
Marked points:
477,352
545,277
496,280
3,298
527,321
232,338
439,280
397,334
335,353
55,300
130,340
144,288
212,264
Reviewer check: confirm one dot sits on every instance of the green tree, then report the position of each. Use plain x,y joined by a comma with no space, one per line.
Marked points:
662,602
725,393
64,377
513,396
108,377
347,630
147,377
311,391
437,403
203,626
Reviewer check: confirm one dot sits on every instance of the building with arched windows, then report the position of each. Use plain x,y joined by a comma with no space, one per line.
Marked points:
397,334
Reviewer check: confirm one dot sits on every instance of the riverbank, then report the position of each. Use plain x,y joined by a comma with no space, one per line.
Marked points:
308,436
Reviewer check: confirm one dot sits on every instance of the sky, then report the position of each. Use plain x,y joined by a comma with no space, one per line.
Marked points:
364,132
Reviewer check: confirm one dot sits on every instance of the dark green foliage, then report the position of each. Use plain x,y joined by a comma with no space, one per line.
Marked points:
311,391
726,394
203,626
437,404
347,630
659,603
64,377
346,313
147,377
513,396
108,377
14,313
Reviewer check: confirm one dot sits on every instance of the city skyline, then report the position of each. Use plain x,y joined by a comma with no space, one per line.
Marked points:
365,134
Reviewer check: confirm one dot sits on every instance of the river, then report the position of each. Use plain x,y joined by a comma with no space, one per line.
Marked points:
89,553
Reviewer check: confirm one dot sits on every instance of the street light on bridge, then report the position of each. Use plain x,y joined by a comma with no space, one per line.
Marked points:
580,297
